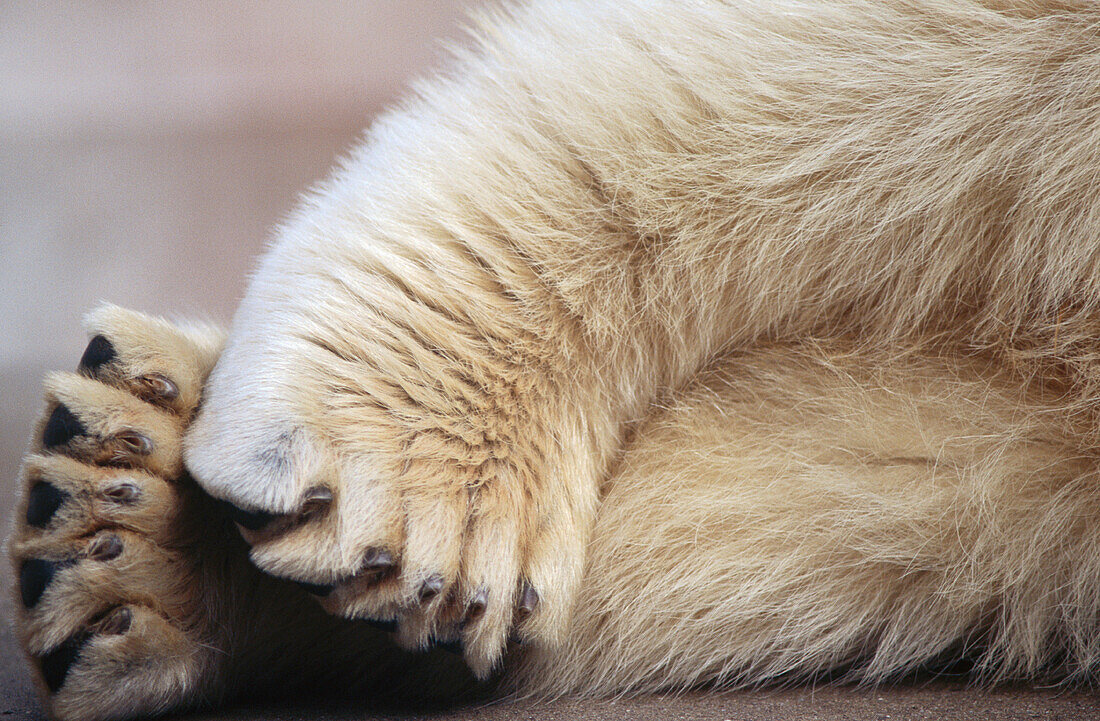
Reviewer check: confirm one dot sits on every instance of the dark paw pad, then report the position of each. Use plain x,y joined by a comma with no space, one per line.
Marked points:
42,502
99,352
62,427
56,664
34,576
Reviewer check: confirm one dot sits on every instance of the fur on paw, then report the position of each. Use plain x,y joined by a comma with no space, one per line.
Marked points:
112,605
445,519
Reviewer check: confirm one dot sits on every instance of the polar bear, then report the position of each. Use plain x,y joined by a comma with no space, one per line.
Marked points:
653,344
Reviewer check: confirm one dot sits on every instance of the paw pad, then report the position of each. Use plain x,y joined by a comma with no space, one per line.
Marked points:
42,502
99,352
34,576
56,664
61,428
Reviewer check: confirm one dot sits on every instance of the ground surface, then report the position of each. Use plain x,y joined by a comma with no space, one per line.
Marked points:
933,701
936,701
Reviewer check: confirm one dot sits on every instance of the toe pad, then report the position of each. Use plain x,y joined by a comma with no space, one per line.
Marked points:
43,501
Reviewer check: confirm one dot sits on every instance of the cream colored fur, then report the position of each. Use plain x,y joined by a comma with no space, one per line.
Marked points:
799,512
756,338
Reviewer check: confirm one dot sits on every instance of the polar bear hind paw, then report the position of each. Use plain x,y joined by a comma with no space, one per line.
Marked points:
113,605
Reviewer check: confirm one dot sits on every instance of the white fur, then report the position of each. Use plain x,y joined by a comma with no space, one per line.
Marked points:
492,298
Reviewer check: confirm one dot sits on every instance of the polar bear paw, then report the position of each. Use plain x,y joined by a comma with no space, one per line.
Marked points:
400,484
120,560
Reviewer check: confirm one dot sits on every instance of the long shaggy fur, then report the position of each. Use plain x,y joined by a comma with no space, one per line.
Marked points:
602,200
757,336
808,512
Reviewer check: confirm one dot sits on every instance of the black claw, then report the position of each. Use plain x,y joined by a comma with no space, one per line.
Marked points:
34,576
56,664
378,559
105,548
317,502
528,599
156,387
115,623
135,443
430,588
249,520
99,351
42,502
476,607
123,493
387,626
317,589
62,427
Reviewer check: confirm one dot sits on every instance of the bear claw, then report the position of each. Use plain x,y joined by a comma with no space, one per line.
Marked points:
105,548
430,588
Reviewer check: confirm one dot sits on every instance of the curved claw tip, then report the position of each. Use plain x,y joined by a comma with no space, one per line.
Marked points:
377,559
476,608
157,386
115,623
136,443
123,493
430,588
317,501
105,548
528,599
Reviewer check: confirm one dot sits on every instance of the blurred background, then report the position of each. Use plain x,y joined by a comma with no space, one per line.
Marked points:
147,149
